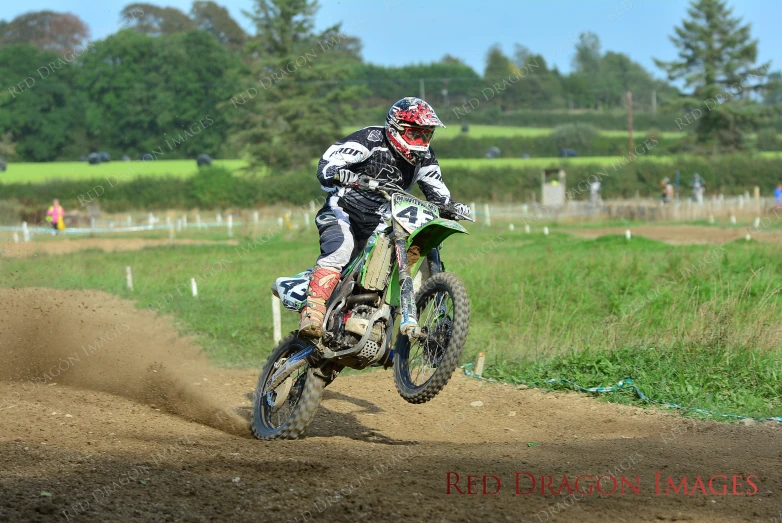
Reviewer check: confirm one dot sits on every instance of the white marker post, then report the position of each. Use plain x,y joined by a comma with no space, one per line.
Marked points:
276,319
733,220
511,227
479,364
129,278
757,222
184,222
151,219
312,205
255,217
198,221
306,221
472,209
130,221
16,238
25,232
628,235
487,213
179,224
194,287
527,229
170,232
545,231
230,225
219,218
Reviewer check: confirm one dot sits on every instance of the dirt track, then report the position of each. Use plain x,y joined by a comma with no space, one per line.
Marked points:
66,246
136,430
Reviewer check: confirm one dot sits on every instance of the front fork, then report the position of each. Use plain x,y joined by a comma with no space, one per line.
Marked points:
409,324
408,312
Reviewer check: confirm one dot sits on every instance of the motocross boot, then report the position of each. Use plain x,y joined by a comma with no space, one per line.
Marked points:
322,284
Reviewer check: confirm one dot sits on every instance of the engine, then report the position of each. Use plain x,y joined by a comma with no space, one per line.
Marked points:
351,328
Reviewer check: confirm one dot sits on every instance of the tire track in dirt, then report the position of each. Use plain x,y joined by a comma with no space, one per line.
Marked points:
95,341
112,440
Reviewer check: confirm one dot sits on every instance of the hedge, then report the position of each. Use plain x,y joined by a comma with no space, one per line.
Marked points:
218,188
465,146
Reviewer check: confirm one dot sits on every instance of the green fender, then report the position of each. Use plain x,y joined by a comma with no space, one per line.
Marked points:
427,238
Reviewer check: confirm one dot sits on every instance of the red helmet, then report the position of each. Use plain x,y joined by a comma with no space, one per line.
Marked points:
410,125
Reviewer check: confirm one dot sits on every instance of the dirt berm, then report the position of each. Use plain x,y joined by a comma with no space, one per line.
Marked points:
108,415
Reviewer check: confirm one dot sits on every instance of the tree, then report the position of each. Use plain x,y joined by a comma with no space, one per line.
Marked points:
717,54
498,65
773,91
620,74
180,96
498,68
58,32
587,57
540,88
156,21
7,145
452,60
215,19
298,102
45,121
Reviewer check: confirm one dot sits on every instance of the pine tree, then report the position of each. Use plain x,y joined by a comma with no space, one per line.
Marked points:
717,58
297,104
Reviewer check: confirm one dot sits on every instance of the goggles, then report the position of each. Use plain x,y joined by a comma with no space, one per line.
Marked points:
417,136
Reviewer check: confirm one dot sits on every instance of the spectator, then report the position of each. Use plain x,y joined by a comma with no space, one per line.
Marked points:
778,196
56,215
669,192
594,193
697,189
664,188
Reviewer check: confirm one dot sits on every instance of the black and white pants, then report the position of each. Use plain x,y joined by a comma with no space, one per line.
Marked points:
343,231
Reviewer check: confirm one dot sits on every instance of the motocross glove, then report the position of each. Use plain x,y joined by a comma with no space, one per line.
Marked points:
462,209
346,177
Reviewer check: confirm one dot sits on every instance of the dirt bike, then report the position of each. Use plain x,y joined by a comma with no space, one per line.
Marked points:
376,291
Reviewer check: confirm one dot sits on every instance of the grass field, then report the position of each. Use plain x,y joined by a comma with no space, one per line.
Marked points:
43,172
592,311
482,131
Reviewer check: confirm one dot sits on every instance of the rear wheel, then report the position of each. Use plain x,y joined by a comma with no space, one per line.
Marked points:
286,411
423,366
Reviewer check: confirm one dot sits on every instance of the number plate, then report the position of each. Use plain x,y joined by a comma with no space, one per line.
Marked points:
412,213
293,290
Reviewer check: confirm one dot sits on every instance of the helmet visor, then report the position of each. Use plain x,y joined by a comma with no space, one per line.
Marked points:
417,136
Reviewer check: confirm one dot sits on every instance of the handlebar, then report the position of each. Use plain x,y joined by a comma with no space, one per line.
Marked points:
387,189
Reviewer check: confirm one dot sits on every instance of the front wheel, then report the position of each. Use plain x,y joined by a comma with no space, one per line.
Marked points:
423,366
285,412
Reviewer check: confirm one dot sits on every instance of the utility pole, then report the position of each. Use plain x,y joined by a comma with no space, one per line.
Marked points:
654,101
421,88
630,119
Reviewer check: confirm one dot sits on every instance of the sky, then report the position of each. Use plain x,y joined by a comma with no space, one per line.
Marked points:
399,32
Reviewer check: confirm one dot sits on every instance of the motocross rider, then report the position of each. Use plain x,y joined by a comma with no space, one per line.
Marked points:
398,153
